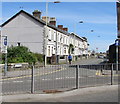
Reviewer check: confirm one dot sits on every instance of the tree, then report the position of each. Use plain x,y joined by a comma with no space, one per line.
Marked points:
20,54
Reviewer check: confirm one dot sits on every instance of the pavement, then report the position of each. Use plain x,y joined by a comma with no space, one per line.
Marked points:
108,93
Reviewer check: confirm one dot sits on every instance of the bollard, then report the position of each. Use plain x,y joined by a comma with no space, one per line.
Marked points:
112,74
77,76
32,80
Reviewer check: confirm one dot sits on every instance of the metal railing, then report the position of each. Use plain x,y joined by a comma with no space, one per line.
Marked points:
55,78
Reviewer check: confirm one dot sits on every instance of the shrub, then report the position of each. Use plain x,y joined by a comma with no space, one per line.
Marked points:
19,54
39,57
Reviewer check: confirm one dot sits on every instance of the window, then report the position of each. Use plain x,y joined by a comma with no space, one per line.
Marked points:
58,38
66,40
52,50
54,36
61,39
58,50
18,43
49,34
64,50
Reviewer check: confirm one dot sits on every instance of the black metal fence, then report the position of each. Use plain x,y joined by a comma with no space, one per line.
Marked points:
55,78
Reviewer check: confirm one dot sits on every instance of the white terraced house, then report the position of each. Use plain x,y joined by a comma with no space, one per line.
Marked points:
29,30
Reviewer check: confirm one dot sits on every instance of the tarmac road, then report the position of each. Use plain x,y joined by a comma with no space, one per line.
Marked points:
56,80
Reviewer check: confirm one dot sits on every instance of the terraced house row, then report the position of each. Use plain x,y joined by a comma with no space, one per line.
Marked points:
31,31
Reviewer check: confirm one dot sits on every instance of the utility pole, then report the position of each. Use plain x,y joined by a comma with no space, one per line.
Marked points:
74,36
46,33
45,37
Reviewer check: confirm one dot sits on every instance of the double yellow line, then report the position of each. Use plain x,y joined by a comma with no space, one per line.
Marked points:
25,76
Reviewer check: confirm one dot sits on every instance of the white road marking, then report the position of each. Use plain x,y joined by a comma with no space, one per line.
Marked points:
46,79
17,81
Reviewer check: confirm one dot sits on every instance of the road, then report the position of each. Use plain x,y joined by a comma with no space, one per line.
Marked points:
61,79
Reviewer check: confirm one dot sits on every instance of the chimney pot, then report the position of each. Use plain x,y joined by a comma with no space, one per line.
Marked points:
65,29
60,27
44,18
53,21
37,14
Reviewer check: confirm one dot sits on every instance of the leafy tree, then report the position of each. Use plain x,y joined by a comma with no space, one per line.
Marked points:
19,54
39,57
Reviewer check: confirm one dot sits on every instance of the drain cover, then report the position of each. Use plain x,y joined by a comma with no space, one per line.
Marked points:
51,91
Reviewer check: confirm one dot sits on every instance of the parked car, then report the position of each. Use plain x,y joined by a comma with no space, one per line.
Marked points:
101,56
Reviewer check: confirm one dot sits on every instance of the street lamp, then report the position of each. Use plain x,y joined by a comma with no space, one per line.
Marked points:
117,45
45,37
74,36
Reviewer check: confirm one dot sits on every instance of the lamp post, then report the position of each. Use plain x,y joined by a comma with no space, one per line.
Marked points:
74,36
5,51
45,37
117,45
75,32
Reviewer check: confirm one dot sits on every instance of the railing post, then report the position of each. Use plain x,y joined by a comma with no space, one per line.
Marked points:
32,80
77,76
112,74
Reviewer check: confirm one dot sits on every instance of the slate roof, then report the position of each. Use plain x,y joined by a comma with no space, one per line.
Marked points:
40,21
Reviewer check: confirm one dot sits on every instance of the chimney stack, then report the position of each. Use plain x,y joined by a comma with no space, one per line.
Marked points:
44,18
53,21
60,27
37,14
65,29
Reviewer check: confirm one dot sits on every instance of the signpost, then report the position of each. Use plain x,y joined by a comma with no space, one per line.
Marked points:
5,51
117,45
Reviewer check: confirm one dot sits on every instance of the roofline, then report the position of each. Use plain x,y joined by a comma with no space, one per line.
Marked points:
79,36
39,20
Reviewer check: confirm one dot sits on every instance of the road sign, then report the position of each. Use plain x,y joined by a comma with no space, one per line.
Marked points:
4,44
5,41
117,42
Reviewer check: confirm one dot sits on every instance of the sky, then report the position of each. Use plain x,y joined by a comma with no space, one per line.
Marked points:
98,16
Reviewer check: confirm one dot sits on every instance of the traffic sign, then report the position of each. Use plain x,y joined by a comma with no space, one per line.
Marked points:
117,42
5,41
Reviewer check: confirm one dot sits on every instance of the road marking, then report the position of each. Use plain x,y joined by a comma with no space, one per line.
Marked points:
98,72
17,81
60,69
34,75
57,78
16,77
46,79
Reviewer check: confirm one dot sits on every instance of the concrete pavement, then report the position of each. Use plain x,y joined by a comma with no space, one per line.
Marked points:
90,94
